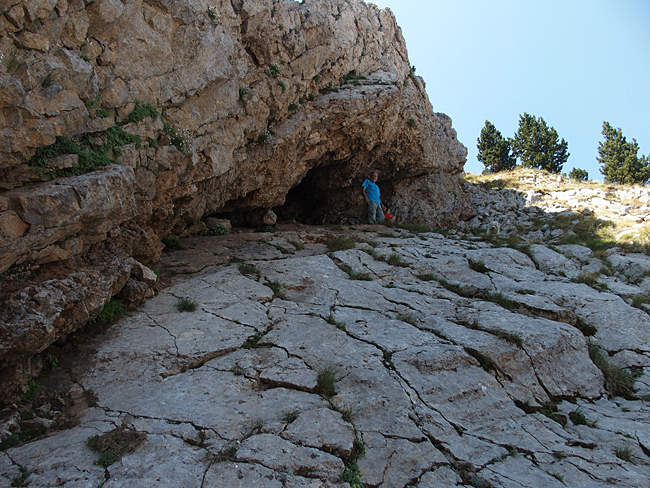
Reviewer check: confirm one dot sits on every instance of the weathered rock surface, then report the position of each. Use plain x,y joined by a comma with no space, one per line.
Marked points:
246,109
264,103
440,389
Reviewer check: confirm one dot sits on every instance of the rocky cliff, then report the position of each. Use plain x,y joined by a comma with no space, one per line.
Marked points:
123,123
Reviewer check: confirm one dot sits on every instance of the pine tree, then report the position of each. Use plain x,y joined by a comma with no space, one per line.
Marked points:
494,150
579,174
619,158
538,145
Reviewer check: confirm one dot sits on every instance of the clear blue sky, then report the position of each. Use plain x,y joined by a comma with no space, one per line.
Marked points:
576,63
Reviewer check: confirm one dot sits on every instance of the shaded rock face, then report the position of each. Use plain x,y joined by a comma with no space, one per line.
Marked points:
258,98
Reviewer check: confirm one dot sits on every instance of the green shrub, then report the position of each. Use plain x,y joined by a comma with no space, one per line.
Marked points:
180,139
34,388
578,175
112,311
352,475
273,71
578,418
141,112
172,243
218,230
265,136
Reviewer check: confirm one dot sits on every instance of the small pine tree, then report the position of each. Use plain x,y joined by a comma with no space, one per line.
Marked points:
619,158
538,145
578,174
494,150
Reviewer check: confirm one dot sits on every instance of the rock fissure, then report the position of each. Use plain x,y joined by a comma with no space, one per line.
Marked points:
178,354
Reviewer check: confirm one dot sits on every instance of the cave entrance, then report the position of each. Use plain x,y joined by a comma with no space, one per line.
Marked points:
323,196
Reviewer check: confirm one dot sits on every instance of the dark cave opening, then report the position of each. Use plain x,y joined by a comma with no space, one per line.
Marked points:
326,194
303,202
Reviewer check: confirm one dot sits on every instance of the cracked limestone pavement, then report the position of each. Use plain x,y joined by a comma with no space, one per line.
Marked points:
455,362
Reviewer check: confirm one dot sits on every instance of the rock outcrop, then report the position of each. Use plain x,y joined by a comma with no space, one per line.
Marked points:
246,109
216,108
421,361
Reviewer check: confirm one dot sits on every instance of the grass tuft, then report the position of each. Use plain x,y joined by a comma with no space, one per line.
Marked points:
625,453
426,276
251,342
277,287
111,446
290,416
248,269
618,382
326,382
395,259
227,454
408,318
478,266
332,320
355,275
500,299
486,363
186,305
340,244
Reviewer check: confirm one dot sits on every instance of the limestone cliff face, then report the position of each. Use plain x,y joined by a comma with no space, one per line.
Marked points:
257,98
123,122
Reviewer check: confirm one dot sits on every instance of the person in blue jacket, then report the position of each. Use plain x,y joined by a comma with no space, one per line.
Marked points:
371,195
